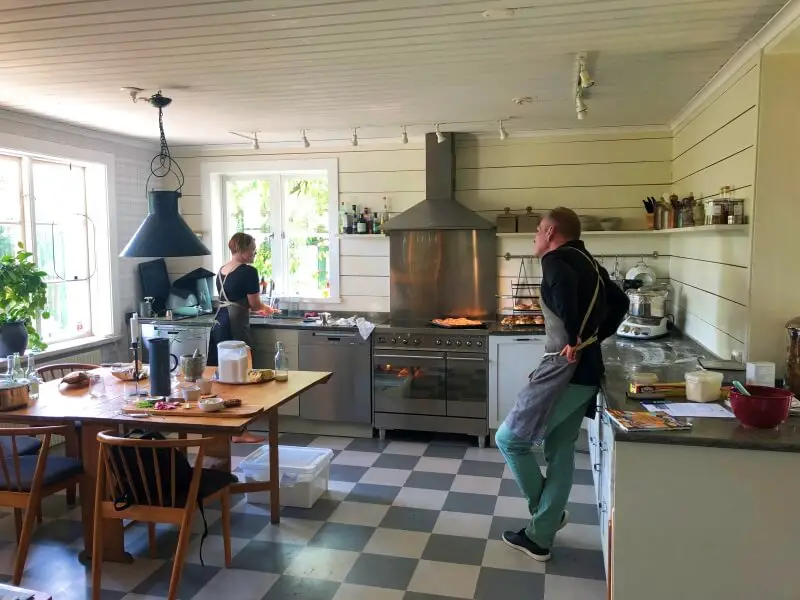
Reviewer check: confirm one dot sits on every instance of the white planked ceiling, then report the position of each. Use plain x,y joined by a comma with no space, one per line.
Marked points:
279,66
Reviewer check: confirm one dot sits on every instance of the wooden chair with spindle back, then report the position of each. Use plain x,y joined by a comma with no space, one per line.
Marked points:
155,497
26,479
73,445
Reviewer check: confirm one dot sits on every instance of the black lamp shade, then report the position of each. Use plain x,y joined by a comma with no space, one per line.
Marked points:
164,232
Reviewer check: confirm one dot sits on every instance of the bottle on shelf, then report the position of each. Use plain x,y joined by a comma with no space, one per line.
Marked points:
376,224
342,218
9,375
361,224
368,219
281,363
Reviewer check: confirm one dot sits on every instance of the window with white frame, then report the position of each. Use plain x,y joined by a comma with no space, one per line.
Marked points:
45,205
291,211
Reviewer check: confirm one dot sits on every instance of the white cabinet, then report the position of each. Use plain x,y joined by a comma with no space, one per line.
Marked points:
512,358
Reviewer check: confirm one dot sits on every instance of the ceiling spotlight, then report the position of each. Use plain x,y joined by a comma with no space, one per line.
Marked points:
581,115
580,105
253,138
585,79
306,143
354,138
439,135
404,135
133,92
502,130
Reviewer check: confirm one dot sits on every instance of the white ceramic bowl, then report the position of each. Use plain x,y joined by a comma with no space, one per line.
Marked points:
211,404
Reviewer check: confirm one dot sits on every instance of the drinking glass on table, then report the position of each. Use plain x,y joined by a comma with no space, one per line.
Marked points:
97,386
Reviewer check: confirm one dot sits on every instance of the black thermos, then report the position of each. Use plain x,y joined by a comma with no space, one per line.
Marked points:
159,367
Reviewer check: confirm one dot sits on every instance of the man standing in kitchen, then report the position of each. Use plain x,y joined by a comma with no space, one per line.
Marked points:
581,308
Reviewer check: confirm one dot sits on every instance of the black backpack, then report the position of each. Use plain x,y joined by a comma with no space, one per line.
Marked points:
134,487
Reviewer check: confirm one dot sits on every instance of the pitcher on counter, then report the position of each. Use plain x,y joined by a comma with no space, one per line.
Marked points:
581,308
238,289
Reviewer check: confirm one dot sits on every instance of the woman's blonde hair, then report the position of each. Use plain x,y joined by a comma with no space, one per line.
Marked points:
240,242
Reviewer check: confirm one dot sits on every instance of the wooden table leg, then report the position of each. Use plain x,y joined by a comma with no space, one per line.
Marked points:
274,475
113,533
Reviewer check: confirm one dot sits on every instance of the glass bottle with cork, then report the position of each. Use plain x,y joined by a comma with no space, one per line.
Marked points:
281,363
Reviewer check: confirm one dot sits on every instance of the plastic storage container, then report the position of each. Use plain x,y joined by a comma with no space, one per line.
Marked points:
233,362
304,474
703,386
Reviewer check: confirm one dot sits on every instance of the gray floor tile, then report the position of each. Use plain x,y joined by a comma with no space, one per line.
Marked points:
453,549
367,445
446,450
396,461
582,477
577,562
478,504
430,481
418,596
583,514
371,493
347,472
321,511
501,524
245,449
410,519
481,468
301,588
243,525
510,489
60,531
342,537
514,584
193,579
296,439
266,557
382,571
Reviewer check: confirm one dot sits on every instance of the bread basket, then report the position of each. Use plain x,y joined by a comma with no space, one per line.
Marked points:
13,394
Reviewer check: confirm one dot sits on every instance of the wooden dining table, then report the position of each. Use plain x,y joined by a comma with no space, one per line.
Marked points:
58,403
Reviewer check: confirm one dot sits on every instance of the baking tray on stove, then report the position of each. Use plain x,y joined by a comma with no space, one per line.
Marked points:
481,325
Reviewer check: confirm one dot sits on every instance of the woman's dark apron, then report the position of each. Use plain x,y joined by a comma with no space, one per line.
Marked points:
528,418
231,321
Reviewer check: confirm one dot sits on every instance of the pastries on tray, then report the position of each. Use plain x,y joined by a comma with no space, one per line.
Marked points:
521,320
457,322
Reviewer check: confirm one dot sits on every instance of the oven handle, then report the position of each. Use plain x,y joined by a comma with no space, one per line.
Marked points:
409,356
467,358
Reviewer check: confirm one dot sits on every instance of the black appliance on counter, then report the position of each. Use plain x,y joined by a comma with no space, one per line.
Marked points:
430,379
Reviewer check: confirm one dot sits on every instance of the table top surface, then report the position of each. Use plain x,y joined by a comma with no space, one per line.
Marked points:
57,402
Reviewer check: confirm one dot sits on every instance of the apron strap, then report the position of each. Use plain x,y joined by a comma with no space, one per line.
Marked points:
224,301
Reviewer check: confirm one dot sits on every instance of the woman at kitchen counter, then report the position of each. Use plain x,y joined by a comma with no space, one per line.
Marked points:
238,290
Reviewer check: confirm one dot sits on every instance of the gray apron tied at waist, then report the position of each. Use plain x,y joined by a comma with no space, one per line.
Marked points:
528,418
238,315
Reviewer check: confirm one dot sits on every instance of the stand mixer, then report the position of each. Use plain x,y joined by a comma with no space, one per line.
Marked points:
647,314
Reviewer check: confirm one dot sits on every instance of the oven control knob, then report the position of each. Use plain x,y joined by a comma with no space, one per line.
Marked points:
479,343
458,343
394,340
438,342
449,343
416,341
468,343
405,341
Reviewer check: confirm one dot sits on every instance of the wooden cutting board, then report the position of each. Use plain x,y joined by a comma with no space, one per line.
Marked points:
236,412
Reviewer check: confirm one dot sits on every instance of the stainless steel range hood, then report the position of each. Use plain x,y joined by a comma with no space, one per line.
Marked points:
439,210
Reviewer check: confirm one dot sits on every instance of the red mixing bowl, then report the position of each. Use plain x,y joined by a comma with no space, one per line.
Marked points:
765,408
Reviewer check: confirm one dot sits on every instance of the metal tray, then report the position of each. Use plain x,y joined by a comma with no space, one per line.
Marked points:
482,325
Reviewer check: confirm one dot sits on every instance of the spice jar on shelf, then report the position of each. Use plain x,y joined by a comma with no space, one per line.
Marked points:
793,356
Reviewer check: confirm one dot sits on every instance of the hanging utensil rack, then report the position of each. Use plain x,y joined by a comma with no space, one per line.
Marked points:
654,254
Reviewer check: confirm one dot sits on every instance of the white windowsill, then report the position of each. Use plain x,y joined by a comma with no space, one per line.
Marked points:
71,347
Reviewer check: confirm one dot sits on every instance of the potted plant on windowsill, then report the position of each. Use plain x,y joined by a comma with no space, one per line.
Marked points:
23,300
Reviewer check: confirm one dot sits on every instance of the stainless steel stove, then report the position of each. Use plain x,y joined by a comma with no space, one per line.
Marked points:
431,379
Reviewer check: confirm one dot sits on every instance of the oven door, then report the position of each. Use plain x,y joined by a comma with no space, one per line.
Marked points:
468,385
409,383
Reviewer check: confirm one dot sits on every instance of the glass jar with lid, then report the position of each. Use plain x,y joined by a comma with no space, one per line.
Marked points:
793,356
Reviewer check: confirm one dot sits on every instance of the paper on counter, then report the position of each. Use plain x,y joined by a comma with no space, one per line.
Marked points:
689,409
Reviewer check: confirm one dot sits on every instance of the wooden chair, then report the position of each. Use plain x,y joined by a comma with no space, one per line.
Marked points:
25,480
164,504
73,444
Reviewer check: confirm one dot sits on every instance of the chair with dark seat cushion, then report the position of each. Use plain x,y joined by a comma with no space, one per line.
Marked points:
26,446
57,371
25,480
137,479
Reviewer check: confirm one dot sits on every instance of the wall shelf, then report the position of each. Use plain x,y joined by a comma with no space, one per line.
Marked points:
684,230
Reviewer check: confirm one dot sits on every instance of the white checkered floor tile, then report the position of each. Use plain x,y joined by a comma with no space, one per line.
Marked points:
402,520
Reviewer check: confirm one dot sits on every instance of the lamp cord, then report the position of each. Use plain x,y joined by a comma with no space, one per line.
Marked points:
163,164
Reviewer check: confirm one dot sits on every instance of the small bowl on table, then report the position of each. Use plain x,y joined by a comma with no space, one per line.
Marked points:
764,408
211,404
